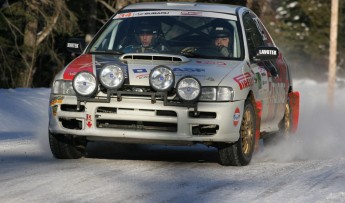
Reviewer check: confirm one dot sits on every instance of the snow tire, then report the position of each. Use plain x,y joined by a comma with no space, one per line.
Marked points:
240,153
284,128
65,147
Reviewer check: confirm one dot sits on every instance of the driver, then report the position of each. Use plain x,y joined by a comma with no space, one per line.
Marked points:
146,37
222,40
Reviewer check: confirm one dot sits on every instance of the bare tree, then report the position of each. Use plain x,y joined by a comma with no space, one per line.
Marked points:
41,18
115,5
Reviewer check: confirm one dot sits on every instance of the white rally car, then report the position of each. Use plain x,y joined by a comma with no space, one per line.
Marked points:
179,74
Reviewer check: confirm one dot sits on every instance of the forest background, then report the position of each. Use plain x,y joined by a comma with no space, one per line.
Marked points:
33,34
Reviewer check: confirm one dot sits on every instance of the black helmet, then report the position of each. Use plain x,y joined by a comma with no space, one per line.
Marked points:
145,28
220,31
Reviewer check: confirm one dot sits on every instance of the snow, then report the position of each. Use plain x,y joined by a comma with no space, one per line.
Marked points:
309,167
292,4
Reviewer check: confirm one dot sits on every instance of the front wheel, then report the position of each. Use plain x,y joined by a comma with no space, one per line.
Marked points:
66,147
240,153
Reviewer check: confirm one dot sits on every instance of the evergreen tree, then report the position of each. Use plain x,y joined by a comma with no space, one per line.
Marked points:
302,29
305,25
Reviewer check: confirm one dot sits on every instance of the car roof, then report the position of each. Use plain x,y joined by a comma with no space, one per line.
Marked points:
188,6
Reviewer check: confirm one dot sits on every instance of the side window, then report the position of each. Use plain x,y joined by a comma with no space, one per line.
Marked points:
254,37
265,36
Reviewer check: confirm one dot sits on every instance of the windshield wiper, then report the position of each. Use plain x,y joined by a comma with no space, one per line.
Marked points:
107,52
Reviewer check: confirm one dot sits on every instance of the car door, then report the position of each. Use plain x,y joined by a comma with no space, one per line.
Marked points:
270,74
280,77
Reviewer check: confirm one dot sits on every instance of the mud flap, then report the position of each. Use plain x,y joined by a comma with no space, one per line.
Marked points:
258,110
294,104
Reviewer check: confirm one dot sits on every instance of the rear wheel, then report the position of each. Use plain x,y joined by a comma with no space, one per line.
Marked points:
284,128
285,125
240,153
66,147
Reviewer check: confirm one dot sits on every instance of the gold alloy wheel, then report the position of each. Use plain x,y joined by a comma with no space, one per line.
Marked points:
287,120
247,132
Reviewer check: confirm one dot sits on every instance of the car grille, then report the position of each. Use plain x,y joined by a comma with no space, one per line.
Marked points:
135,124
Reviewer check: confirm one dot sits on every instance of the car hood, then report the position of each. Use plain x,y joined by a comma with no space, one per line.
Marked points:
210,72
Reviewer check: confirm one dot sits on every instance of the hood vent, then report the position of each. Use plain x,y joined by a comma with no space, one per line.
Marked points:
155,57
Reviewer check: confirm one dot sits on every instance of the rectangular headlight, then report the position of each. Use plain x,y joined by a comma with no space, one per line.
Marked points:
217,94
63,87
208,94
225,94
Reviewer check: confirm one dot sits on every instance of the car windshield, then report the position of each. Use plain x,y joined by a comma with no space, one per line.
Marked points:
193,34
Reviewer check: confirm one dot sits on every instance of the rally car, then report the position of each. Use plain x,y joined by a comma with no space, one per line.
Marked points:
175,74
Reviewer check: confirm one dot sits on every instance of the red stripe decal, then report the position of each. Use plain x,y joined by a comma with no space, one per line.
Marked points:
82,63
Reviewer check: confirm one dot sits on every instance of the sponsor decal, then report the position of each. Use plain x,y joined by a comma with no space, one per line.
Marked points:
277,96
244,80
198,70
151,13
211,63
209,78
145,76
73,45
237,116
140,70
144,73
72,73
144,70
89,120
56,100
157,13
277,93
142,13
175,13
268,52
191,13
124,15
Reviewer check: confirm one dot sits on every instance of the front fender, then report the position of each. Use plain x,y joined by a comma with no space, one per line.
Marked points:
241,80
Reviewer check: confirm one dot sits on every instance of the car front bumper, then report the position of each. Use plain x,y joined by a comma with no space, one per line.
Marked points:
138,120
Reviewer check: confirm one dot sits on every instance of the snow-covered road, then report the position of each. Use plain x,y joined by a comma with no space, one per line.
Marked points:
308,168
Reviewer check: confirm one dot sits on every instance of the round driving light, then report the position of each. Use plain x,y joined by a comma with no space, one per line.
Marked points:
162,78
188,89
111,77
85,84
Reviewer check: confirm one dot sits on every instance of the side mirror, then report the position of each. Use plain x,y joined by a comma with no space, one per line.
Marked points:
76,45
266,53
